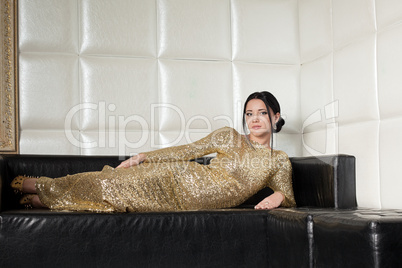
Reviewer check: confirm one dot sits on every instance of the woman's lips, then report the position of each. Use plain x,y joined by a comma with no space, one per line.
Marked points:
256,127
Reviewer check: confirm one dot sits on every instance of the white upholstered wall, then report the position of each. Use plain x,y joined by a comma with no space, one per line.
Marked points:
124,76
351,64
151,73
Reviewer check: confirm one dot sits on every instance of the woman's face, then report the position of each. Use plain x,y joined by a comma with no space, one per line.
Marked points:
257,118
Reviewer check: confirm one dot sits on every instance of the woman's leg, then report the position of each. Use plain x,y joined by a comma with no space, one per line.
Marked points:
36,203
81,191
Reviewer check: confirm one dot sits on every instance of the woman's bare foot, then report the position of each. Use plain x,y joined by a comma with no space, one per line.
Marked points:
29,186
32,201
36,203
23,184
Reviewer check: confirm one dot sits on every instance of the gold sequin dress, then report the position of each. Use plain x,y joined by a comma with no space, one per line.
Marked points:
167,181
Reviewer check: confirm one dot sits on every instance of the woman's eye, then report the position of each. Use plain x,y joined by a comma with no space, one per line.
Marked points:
249,114
264,113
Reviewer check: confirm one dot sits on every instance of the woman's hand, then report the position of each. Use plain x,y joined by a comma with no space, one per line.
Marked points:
132,161
270,202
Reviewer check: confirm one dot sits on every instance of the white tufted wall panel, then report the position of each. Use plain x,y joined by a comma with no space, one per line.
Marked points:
265,31
316,81
48,25
316,31
192,29
352,20
125,76
389,71
121,85
388,12
355,81
361,139
352,62
118,27
52,81
390,161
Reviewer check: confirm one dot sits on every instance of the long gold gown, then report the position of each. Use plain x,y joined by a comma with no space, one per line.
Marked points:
167,181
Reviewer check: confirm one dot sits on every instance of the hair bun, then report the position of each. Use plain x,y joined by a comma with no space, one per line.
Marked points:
279,125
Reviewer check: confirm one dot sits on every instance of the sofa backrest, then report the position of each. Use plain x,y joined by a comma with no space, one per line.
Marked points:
326,181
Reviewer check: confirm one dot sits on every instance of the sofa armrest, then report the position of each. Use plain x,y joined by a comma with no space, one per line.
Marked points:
325,181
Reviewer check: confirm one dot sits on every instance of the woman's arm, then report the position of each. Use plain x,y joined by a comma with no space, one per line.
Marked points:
281,183
209,144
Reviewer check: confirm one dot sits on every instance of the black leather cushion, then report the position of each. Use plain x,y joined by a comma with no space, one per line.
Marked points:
335,237
301,237
219,238
357,238
289,238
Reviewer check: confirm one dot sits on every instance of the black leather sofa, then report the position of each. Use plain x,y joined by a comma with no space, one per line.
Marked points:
325,230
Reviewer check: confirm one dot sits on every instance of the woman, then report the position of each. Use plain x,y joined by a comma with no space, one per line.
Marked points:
164,180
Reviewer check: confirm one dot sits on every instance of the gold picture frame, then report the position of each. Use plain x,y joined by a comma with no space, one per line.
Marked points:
9,127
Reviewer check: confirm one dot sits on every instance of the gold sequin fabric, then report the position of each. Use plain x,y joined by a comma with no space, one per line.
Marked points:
167,181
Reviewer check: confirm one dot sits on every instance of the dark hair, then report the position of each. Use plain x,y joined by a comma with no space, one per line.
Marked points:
271,103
